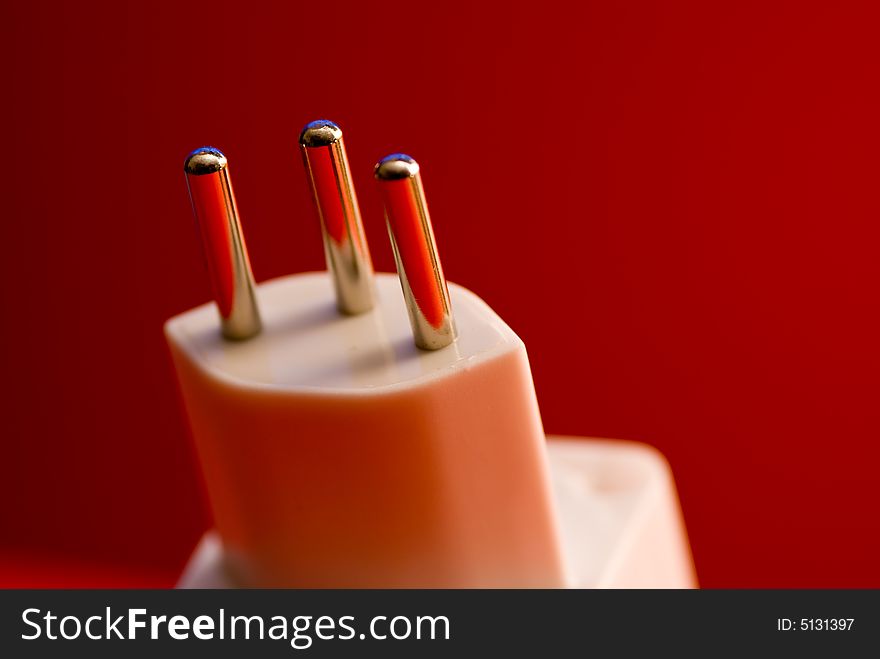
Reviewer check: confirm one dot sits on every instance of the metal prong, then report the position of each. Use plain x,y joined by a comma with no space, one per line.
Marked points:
210,191
415,252
348,258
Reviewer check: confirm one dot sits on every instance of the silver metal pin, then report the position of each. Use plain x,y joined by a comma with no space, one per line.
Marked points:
415,252
345,247
213,203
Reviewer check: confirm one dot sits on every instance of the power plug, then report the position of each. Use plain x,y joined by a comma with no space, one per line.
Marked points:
376,439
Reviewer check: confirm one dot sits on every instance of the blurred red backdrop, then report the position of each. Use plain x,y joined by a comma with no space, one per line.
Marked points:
674,204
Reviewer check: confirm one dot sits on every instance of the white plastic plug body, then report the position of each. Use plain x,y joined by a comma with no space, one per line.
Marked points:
337,454
619,517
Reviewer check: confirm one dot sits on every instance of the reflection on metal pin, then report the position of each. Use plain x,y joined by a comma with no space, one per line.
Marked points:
415,252
210,191
345,247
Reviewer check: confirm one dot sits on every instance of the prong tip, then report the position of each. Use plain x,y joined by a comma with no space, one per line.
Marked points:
395,167
320,133
206,160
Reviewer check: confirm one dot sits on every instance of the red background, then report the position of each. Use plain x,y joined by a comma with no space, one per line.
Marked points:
674,204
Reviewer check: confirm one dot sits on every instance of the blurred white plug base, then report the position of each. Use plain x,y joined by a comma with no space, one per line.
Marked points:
619,515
